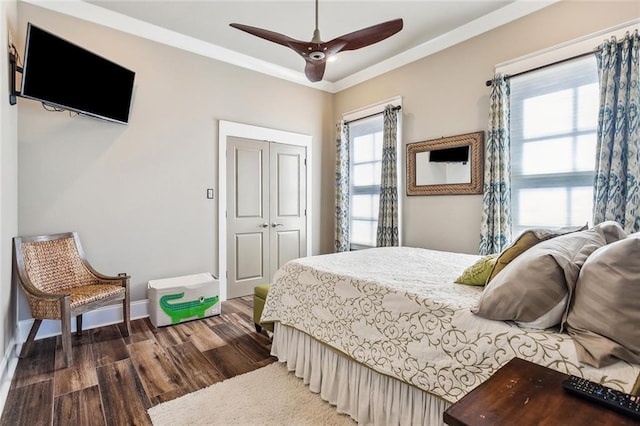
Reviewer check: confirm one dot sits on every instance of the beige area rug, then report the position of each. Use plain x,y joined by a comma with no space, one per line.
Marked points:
267,396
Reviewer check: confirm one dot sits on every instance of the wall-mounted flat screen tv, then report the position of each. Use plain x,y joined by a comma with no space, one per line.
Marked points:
458,154
64,75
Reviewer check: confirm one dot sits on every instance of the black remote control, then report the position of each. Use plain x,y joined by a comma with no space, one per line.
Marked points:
614,399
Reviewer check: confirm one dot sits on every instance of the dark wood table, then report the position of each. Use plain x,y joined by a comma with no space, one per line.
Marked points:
524,393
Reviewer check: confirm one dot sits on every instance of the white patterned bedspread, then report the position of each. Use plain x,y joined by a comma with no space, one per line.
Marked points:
398,311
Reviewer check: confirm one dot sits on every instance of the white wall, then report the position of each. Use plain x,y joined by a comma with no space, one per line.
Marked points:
137,193
8,191
445,95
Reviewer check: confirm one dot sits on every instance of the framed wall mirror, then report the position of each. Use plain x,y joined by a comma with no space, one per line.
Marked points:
446,166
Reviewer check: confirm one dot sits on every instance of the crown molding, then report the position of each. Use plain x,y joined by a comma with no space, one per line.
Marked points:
502,16
101,16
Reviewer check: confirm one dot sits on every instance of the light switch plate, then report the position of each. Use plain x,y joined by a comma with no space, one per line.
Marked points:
210,193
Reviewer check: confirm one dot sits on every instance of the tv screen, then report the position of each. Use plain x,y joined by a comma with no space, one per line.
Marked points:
450,155
64,75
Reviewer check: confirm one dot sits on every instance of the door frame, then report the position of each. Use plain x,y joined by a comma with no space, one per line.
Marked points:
233,129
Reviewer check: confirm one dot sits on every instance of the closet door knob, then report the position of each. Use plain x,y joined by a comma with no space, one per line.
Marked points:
274,224
264,225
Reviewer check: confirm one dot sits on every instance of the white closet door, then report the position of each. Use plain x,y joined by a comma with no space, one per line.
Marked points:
266,211
288,239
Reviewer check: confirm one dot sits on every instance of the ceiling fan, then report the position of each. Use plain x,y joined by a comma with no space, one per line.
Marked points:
316,52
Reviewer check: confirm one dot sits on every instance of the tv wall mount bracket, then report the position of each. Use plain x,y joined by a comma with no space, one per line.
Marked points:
13,69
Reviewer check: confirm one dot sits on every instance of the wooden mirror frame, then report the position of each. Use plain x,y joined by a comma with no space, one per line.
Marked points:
474,140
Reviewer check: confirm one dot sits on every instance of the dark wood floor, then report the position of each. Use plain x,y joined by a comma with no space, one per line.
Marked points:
115,379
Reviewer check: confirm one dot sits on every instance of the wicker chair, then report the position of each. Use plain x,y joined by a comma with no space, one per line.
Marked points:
59,283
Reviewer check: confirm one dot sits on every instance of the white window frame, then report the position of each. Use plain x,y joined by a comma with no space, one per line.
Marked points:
567,180
564,51
367,111
373,189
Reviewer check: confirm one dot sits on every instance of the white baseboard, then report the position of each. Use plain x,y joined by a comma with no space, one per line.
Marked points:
100,317
7,370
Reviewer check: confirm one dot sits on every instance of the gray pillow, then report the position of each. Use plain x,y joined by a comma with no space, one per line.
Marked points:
604,315
533,288
612,231
525,241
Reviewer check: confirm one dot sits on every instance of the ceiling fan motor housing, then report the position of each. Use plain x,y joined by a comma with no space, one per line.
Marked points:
317,55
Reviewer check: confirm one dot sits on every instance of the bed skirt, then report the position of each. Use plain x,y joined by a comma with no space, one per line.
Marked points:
368,397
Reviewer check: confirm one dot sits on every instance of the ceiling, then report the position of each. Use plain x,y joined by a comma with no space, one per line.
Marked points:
203,26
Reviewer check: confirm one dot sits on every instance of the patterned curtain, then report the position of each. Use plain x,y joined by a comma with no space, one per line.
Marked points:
342,242
387,234
616,192
495,228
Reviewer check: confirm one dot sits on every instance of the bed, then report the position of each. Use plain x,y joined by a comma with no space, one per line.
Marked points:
387,337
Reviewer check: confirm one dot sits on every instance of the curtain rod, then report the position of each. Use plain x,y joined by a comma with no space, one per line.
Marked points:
395,108
581,55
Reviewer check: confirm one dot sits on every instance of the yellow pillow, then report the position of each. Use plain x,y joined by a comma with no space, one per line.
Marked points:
525,241
478,273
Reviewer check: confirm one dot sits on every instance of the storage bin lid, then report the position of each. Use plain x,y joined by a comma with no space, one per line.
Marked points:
183,281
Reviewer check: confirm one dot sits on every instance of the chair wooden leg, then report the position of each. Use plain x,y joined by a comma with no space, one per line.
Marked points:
79,324
66,341
66,332
126,304
126,313
26,347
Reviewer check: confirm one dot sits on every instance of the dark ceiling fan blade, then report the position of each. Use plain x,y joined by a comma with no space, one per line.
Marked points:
316,52
364,37
303,48
315,70
267,35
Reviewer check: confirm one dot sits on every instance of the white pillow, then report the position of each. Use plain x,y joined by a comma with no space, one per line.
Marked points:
604,315
533,288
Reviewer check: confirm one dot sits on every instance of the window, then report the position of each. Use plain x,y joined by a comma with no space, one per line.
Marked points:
365,142
554,115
